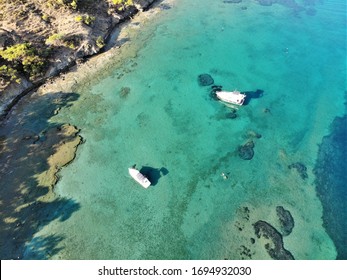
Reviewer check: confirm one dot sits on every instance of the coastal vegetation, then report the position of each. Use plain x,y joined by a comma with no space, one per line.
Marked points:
100,42
23,57
54,38
88,20
39,38
9,74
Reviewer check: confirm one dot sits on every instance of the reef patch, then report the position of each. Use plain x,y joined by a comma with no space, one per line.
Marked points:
205,80
331,177
246,151
286,220
64,152
274,246
301,168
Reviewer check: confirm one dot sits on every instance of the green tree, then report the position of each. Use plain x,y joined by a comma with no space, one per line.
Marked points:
9,74
86,19
25,56
100,42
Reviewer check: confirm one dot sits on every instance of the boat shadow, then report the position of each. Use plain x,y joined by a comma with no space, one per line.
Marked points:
252,95
154,174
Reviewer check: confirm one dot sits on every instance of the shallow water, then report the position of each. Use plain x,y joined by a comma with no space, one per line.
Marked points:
183,139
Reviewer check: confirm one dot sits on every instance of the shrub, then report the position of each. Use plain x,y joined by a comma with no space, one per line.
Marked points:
60,39
55,38
100,42
8,73
88,20
79,18
45,18
33,65
73,4
70,44
16,52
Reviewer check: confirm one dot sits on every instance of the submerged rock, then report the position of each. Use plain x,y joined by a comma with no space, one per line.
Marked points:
301,168
205,80
286,220
124,91
66,140
275,246
164,6
245,252
246,151
252,134
232,114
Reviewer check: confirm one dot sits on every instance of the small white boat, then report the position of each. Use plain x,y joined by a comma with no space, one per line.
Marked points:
234,97
139,177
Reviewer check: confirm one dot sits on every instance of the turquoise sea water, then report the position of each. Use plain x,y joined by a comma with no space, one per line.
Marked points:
171,127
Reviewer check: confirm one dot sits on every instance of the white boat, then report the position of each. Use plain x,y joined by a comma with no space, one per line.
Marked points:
139,177
234,97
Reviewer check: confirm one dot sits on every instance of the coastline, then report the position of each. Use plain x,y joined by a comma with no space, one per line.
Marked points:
84,73
33,149
12,94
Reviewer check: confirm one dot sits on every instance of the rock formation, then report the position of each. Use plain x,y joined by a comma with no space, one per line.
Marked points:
301,168
246,151
205,80
286,220
64,152
275,246
124,92
232,114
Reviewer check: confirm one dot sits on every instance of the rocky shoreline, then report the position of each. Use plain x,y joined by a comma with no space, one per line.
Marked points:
65,50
